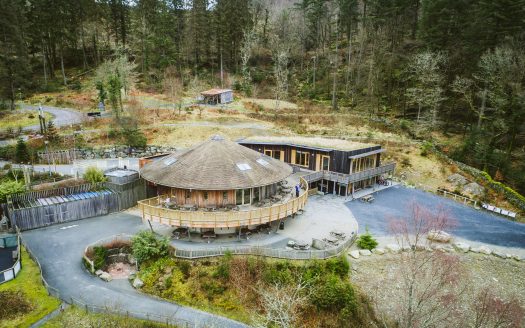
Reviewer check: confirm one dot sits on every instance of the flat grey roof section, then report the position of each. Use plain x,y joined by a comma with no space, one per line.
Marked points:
121,173
377,151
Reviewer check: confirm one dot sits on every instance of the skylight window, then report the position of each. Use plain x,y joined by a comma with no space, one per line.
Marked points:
169,161
262,161
243,166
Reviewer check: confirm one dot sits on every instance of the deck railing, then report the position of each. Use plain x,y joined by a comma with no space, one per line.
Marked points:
151,210
350,178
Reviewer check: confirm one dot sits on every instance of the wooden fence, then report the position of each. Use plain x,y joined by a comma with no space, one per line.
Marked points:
102,203
152,210
37,209
58,156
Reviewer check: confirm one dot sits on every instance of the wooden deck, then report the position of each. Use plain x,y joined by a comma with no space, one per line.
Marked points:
152,211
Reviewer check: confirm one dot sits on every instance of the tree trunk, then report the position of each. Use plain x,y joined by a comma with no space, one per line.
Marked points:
44,61
62,65
334,85
482,108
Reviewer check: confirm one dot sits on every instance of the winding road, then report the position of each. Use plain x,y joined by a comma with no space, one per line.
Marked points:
59,249
61,116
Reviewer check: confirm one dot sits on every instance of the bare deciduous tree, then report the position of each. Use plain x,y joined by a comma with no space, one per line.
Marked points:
424,70
282,304
491,311
172,85
431,282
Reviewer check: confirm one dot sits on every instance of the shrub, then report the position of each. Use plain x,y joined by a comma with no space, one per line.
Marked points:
12,304
146,246
366,241
10,187
135,138
94,175
100,255
223,269
338,266
21,152
334,294
426,147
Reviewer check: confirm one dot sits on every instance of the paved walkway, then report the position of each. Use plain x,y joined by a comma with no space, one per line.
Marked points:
60,250
321,215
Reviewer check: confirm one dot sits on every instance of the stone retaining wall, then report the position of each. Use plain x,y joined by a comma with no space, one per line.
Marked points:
511,195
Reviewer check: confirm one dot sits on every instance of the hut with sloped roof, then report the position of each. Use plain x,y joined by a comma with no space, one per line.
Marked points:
216,173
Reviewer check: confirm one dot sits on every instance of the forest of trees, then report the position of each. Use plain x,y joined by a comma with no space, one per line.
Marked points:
452,66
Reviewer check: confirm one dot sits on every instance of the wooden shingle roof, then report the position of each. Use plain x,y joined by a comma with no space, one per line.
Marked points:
216,164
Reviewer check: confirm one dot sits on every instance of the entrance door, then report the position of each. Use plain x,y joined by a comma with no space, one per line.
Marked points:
277,154
325,163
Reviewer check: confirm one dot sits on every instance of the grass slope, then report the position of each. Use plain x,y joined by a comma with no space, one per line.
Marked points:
28,281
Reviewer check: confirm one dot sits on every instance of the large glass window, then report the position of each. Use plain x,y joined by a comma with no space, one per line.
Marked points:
238,196
247,199
256,194
302,158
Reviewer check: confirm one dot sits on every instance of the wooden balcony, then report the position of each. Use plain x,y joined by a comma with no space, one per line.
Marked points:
349,178
153,211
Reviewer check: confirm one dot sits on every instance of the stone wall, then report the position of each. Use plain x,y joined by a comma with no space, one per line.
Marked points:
511,195
67,156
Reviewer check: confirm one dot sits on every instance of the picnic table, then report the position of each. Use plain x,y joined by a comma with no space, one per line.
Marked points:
301,245
266,228
188,207
338,234
331,240
180,232
208,235
367,198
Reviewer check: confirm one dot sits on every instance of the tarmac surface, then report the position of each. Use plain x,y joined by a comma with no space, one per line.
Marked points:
468,224
59,249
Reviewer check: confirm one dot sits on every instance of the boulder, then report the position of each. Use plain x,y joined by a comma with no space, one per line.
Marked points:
105,276
516,257
354,254
482,250
457,179
137,283
439,236
500,254
99,272
393,248
473,189
365,252
378,251
462,247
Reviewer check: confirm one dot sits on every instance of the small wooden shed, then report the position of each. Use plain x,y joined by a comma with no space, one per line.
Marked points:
217,96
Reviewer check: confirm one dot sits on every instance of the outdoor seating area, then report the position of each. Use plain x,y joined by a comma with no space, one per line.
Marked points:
336,237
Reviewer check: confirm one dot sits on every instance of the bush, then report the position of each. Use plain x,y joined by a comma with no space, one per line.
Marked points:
426,147
94,175
21,152
135,138
223,269
366,241
334,294
12,304
146,246
10,187
100,255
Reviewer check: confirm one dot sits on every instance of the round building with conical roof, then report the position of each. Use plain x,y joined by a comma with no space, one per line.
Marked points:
220,184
